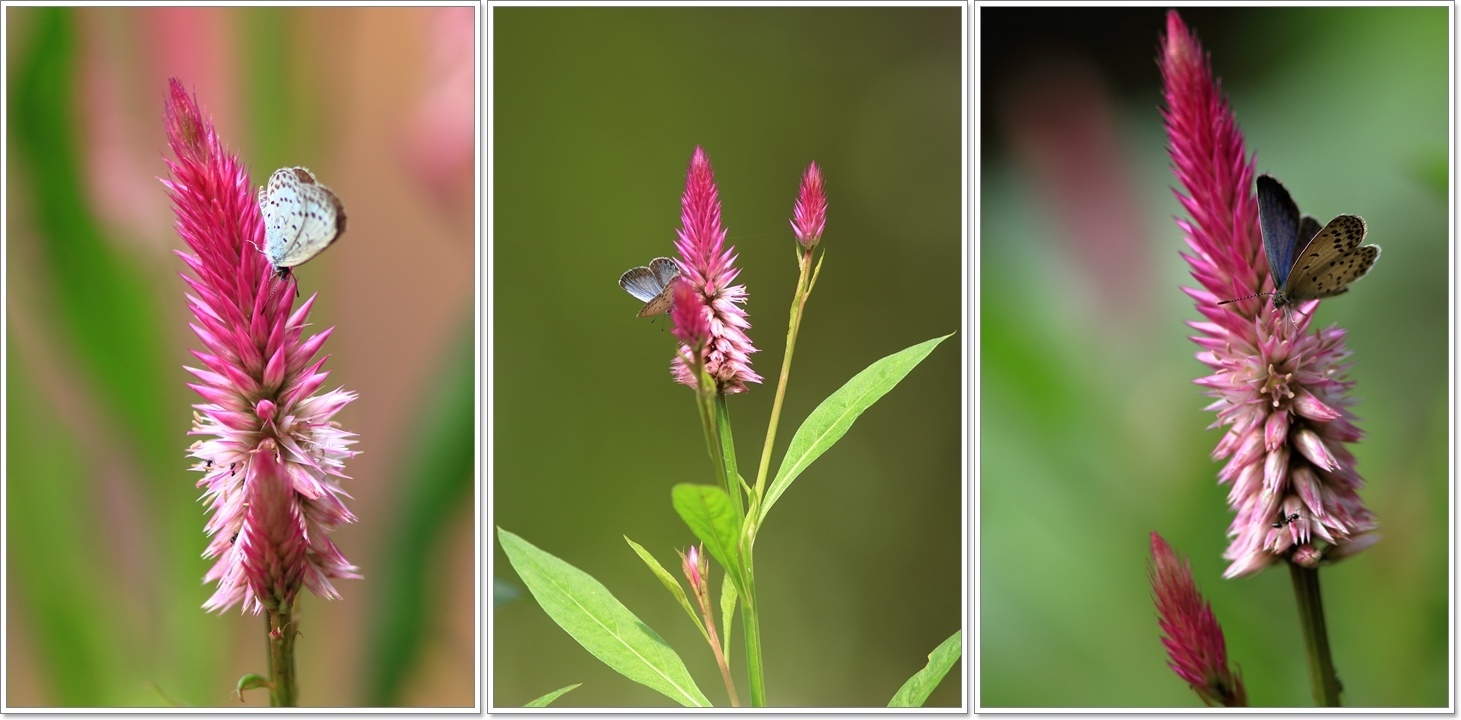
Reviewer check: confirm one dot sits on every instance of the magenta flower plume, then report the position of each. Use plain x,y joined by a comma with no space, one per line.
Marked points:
809,215
271,456
709,267
1192,636
1280,391
692,322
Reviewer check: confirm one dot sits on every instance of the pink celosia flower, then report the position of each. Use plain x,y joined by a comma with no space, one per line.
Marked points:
1280,390
1193,638
691,318
272,457
810,211
709,268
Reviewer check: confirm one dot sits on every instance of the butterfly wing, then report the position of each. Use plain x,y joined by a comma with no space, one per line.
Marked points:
1332,260
665,270
318,222
641,283
281,205
1278,217
1309,226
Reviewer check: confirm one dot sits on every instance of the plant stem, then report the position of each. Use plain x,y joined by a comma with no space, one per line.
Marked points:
798,305
282,691
1322,678
753,638
727,456
703,600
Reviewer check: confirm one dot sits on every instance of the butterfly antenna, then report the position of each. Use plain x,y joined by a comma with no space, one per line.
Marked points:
1225,302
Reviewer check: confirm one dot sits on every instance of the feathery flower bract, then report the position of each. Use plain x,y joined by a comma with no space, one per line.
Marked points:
1280,391
272,457
809,215
1193,638
709,267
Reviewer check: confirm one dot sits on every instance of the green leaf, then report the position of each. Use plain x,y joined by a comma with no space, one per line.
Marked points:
728,599
586,610
251,681
670,584
830,421
550,697
708,512
917,689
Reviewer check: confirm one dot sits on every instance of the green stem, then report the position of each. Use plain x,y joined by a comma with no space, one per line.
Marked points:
283,692
798,305
752,629
727,446
1322,678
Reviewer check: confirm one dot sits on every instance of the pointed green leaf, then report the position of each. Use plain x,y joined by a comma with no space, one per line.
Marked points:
707,510
550,697
250,681
588,612
670,584
917,689
830,421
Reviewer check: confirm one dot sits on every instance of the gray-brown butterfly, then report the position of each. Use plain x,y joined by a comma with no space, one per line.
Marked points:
653,285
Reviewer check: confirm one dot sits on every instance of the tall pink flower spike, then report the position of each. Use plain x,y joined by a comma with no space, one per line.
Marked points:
709,268
272,456
1280,391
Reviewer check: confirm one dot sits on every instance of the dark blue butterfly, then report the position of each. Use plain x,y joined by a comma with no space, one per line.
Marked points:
1330,259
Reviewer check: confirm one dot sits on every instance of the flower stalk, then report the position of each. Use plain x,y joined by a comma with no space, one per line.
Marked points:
696,566
1323,679
809,219
271,454
1280,391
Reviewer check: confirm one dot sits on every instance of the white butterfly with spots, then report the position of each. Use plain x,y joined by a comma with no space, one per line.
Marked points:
301,218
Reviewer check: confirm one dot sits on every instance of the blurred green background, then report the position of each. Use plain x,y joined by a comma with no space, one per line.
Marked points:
1093,434
103,524
596,113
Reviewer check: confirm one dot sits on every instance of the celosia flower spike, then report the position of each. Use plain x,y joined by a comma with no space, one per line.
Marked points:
809,215
1193,638
709,267
1281,391
272,456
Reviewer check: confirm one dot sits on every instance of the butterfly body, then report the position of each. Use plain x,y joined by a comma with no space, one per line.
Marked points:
1307,261
653,285
301,218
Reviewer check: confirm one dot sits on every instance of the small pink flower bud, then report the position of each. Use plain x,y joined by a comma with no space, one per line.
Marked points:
1194,640
692,569
810,211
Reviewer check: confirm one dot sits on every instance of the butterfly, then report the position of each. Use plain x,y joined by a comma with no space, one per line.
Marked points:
653,285
301,218
1308,262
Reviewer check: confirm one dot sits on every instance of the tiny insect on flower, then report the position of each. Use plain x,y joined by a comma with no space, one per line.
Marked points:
1282,521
